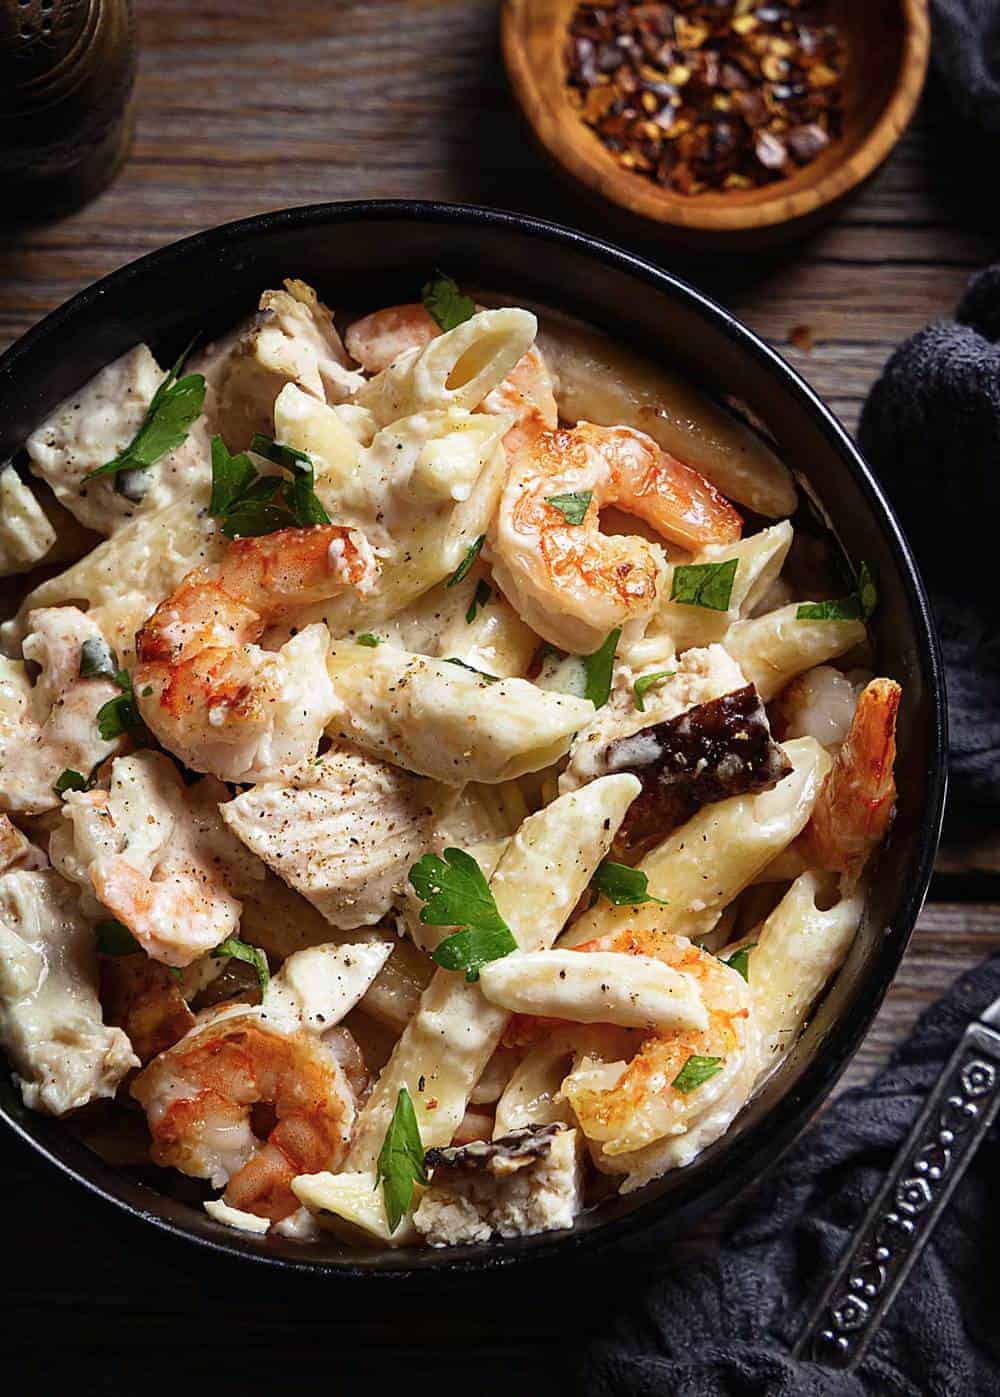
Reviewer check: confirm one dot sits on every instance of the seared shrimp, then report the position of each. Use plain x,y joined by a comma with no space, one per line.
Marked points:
570,582
623,1107
855,805
213,697
200,1099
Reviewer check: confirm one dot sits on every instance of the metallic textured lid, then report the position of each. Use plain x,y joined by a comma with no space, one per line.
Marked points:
43,45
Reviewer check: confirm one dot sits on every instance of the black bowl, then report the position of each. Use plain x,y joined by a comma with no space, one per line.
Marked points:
379,252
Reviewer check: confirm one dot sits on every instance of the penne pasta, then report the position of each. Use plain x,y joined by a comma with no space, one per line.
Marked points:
444,721
771,650
454,370
600,987
759,560
799,948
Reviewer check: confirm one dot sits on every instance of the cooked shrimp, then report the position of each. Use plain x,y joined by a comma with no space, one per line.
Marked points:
378,339
205,1099
819,703
148,859
623,1107
855,805
213,697
570,582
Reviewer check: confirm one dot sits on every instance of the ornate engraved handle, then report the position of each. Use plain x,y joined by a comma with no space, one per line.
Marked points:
933,1158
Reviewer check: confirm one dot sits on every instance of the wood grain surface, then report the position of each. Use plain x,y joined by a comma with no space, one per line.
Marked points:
246,105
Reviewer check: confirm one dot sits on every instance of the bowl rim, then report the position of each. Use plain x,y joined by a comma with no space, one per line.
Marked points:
647,200
781,1125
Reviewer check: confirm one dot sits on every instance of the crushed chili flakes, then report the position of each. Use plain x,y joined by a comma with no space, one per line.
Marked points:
708,94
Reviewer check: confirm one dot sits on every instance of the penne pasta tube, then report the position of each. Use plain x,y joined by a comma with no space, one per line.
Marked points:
799,948
533,1094
456,369
447,1044
597,380
771,650
705,863
350,1203
633,991
759,559
445,721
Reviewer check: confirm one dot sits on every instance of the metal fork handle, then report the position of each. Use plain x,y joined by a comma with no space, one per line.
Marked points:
946,1134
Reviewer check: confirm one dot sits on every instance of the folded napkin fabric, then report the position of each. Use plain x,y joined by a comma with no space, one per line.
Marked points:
725,1327
931,430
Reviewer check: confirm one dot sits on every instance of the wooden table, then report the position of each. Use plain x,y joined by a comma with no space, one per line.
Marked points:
243,107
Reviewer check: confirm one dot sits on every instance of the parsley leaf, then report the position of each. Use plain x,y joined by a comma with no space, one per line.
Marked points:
599,668
648,681
472,948
624,886
249,504
71,780
695,1072
97,659
120,715
400,1160
487,678
300,495
113,939
444,303
174,406
856,606
573,508
483,594
466,563
366,638
740,960
252,955
455,893
705,584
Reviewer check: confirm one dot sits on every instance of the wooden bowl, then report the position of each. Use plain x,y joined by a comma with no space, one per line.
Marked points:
888,42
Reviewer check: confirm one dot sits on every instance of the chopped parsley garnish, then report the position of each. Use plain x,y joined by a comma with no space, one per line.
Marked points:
624,886
71,780
444,303
113,939
573,508
696,1072
740,960
174,406
856,606
97,659
250,504
705,584
481,674
120,715
470,557
400,1160
599,668
481,599
366,638
642,686
252,955
455,893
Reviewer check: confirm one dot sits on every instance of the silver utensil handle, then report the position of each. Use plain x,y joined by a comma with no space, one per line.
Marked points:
903,1214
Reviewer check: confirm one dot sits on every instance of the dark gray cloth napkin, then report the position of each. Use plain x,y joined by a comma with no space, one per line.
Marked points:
726,1327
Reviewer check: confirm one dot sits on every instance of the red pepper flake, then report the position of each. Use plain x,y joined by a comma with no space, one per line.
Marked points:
801,337
708,94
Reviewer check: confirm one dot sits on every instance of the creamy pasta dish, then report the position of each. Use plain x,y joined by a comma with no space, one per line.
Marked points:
438,780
